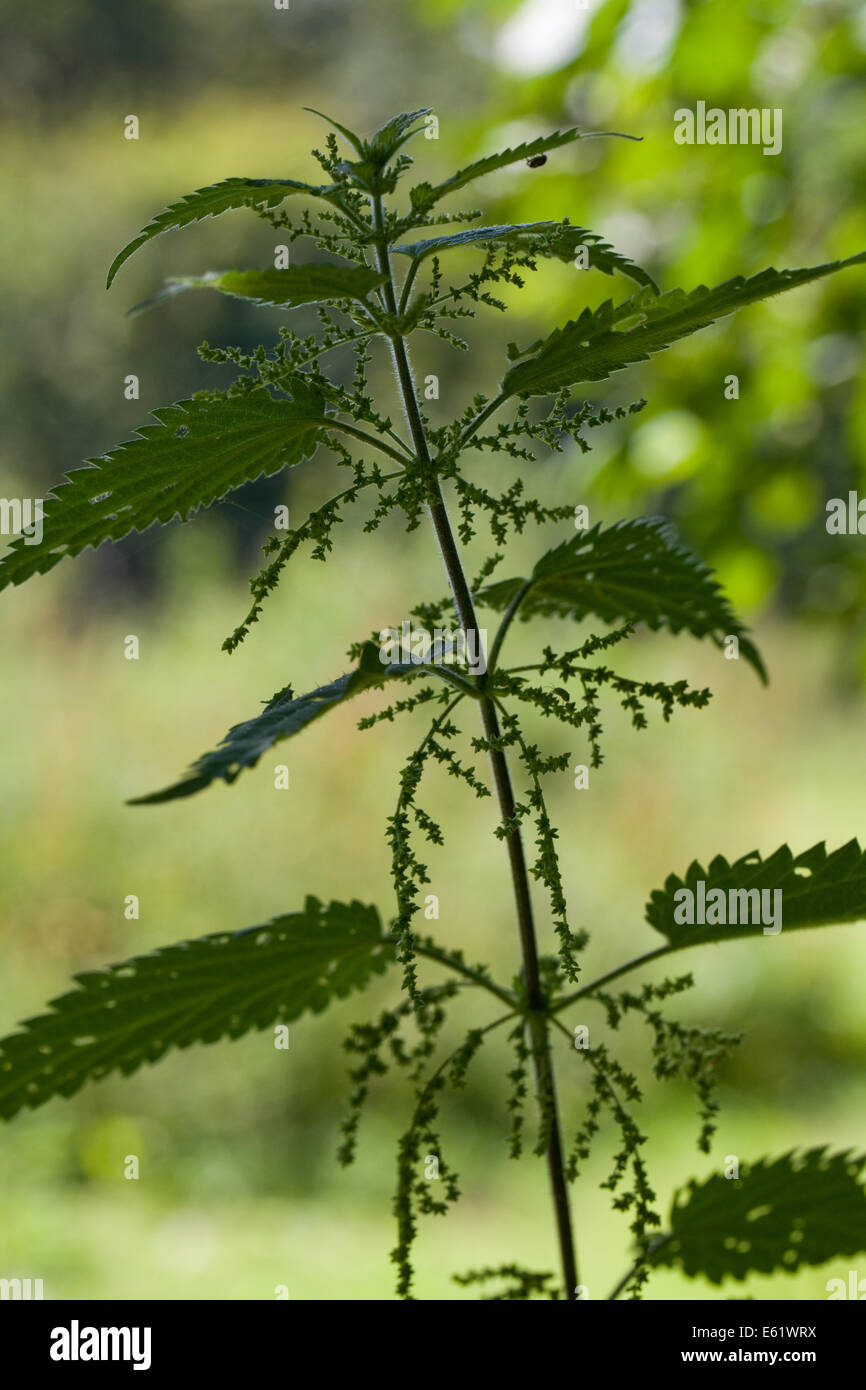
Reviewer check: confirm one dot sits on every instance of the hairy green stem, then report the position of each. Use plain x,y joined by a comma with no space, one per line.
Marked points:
492,405
371,440
507,619
624,1281
475,977
613,975
341,342
536,1003
452,678
407,285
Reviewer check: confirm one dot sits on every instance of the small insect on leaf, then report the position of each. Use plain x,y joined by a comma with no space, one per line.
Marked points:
537,160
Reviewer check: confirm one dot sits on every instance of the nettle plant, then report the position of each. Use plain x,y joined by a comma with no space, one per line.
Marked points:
779,1213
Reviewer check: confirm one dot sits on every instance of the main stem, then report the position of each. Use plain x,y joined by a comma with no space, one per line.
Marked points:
543,1063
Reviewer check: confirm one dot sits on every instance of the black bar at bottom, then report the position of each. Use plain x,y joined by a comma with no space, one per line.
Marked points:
223,1339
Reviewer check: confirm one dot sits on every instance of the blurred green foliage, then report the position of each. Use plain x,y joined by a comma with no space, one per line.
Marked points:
239,1189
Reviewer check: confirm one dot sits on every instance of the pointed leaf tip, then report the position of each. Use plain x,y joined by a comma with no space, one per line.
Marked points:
606,340
285,715
211,202
196,451
634,570
218,986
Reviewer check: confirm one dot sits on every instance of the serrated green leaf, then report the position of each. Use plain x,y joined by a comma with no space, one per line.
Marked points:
217,986
353,139
633,571
818,889
303,284
284,715
605,340
200,450
387,140
559,239
215,199
424,195
779,1214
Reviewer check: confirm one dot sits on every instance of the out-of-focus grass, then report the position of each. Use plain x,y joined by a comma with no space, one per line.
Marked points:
239,1191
